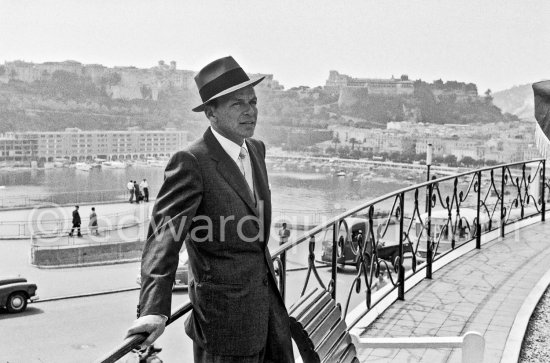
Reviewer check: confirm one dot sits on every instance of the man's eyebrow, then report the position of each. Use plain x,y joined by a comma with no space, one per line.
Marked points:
243,98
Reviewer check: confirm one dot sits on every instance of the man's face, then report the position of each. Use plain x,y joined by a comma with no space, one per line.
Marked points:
235,115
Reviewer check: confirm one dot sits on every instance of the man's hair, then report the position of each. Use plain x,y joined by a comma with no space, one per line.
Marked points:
284,224
213,103
76,206
93,208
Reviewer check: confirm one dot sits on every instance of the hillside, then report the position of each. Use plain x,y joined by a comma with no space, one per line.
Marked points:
59,103
518,100
67,100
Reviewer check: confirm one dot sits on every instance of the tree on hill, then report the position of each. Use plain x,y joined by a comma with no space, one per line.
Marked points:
488,96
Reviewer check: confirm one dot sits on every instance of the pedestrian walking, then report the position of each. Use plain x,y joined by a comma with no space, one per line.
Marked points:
137,192
76,222
284,234
145,188
130,187
92,225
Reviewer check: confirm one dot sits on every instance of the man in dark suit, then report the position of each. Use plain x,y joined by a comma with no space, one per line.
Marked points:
76,222
217,192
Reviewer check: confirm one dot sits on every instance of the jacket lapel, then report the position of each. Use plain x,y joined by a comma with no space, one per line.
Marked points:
260,183
229,170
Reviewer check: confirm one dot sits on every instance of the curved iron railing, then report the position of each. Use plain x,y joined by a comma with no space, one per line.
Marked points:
425,222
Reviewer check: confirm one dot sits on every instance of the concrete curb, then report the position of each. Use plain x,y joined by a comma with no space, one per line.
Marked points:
514,342
87,264
86,295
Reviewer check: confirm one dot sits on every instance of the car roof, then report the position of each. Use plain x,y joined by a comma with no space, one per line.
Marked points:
11,280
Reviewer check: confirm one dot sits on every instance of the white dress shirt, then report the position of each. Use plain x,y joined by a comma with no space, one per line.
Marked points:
234,150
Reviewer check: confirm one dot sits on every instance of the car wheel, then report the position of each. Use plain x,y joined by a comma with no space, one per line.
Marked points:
17,302
395,261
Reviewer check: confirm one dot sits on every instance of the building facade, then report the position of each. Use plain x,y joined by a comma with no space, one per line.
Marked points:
379,86
76,145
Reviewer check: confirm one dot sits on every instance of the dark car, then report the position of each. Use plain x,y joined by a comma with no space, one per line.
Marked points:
182,272
351,233
16,293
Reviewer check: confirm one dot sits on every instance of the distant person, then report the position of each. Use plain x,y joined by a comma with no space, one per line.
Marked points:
76,222
92,225
137,193
284,234
145,187
130,187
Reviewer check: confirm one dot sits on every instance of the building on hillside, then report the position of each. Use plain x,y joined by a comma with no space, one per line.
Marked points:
268,83
379,86
76,145
120,82
16,148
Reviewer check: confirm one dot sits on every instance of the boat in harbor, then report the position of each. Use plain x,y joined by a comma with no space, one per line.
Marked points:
157,162
113,165
60,162
83,166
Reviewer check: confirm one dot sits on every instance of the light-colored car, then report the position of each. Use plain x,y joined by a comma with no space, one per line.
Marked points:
182,273
16,293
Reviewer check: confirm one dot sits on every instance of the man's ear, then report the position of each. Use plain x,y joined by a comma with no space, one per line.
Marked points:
210,114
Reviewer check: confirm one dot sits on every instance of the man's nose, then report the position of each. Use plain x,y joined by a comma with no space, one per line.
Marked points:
250,110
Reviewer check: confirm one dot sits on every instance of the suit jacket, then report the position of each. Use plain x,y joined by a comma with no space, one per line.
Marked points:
205,196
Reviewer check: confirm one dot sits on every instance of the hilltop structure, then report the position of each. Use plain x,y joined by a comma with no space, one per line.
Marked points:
119,82
392,86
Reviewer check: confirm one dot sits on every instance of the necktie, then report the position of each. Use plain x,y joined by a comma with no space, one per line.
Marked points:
246,168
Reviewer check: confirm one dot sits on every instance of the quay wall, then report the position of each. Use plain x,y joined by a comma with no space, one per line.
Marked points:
86,255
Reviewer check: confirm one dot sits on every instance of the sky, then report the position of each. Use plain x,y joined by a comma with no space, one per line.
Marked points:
495,44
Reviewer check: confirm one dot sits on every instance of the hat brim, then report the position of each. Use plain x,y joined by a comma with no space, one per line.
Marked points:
251,82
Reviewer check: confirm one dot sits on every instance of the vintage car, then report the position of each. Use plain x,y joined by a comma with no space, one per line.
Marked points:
351,232
182,272
16,293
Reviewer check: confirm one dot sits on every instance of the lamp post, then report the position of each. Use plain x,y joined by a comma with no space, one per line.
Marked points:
428,165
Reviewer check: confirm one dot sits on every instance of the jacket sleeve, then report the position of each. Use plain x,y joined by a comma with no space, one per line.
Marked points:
176,205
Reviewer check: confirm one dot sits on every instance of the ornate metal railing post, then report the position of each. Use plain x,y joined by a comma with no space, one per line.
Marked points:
282,277
334,257
429,234
502,215
478,223
401,288
543,205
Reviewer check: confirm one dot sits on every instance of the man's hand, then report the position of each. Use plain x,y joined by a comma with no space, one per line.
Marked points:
152,324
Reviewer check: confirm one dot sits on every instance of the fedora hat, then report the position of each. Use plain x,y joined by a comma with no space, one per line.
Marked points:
219,78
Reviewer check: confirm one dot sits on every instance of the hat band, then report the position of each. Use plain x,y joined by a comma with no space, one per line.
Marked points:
225,81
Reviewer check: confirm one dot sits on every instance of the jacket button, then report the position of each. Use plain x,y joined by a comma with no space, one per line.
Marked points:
265,281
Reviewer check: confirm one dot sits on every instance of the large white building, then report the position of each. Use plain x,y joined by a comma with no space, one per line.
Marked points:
76,145
390,86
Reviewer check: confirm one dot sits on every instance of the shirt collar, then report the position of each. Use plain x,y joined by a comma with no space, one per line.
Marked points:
232,149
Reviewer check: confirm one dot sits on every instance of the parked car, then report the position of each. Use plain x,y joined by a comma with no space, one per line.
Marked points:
16,293
182,272
352,231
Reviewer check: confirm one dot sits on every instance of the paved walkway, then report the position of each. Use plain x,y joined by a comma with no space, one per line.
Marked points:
481,291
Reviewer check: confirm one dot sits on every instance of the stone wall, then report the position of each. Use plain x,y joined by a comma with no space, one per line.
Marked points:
67,256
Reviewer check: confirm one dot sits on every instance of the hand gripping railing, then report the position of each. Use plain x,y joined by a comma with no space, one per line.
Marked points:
136,340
